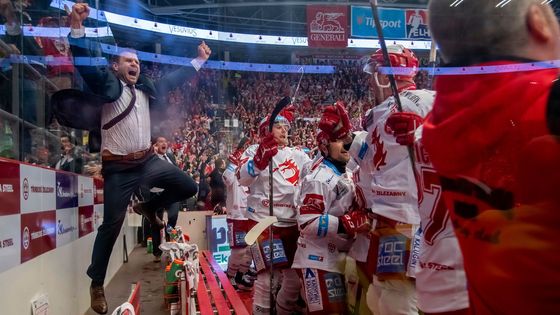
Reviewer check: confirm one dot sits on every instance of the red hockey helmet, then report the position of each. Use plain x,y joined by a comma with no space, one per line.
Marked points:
403,60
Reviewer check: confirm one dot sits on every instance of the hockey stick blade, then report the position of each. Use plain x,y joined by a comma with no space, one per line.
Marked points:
257,230
277,109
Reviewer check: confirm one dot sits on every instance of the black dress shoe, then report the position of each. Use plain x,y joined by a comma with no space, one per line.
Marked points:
141,209
98,302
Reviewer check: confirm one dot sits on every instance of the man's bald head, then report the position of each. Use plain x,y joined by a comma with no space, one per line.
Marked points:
474,28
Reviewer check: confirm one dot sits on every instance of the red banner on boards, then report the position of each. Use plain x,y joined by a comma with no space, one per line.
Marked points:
327,26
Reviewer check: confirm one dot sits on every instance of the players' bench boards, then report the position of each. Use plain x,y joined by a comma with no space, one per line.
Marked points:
215,294
133,300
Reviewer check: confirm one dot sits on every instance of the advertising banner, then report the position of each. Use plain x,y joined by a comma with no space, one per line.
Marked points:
85,220
85,191
417,24
66,190
66,226
392,21
37,187
97,191
38,233
327,26
218,244
9,188
10,240
97,216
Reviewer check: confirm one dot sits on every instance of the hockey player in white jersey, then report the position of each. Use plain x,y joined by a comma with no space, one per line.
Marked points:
441,282
236,205
327,228
287,165
387,182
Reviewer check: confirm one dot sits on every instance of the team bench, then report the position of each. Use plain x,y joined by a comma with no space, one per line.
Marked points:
133,299
215,294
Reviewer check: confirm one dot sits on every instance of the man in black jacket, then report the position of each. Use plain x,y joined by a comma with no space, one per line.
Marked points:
160,147
70,160
119,112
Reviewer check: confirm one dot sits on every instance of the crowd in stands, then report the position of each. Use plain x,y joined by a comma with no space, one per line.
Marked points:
205,116
195,125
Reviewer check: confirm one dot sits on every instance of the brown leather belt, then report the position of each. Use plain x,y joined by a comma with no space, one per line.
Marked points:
107,156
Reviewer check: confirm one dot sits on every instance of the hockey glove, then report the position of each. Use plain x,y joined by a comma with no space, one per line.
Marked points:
235,157
265,152
336,122
289,113
403,126
355,222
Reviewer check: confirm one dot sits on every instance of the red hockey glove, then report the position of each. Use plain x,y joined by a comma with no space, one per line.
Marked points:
403,126
355,222
336,122
265,152
289,113
235,157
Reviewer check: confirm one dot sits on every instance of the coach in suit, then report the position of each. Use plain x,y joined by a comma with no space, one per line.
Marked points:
118,110
160,148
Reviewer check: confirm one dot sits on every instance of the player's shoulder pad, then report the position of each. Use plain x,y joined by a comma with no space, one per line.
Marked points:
417,101
251,150
359,146
325,175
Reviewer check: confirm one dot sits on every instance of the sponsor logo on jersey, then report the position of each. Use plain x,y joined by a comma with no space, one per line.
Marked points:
336,289
380,152
257,257
391,254
341,189
389,193
363,150
315,257
323,226
435,266
312,290
278,254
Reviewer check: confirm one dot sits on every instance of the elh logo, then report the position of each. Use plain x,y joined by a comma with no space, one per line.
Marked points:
417,24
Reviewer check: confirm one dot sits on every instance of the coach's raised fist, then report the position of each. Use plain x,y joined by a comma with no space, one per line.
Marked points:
80,12
204,51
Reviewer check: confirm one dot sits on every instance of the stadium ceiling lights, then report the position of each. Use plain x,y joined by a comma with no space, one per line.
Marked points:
189,32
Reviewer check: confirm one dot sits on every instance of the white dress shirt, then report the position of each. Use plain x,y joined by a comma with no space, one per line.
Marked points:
133,132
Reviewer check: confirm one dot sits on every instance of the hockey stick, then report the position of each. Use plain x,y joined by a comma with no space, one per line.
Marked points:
277,109
256,231
390,75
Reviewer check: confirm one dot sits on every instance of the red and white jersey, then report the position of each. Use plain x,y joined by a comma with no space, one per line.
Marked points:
236,202
326,194
392,187
441,282
287,166
434,216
